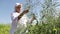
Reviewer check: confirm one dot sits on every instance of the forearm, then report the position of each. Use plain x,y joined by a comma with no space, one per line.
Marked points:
24,12
31,20
20,15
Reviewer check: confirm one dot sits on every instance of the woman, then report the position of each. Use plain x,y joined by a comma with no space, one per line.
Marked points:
19,19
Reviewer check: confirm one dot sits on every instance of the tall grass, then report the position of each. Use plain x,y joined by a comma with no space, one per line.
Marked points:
4,28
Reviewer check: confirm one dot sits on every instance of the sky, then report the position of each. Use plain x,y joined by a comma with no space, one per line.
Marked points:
7,7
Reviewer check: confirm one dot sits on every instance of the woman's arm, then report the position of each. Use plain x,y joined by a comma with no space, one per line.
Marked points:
33,18
24,12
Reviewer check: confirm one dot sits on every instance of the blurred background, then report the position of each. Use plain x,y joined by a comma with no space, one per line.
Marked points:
47,13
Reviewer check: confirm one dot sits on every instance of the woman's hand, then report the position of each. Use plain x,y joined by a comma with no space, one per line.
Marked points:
26,11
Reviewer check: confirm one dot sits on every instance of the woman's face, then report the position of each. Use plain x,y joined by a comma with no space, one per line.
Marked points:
18,8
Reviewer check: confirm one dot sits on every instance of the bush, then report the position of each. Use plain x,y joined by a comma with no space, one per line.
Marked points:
49,28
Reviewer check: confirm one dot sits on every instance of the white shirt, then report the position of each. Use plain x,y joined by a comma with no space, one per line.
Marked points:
15,23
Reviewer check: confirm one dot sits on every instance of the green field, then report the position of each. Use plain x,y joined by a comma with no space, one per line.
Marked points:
4,28
48,28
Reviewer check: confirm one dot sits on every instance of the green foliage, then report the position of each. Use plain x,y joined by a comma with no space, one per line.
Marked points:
48,24
49,28
4,29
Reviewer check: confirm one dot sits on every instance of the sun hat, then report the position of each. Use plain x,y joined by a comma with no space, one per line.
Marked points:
18,4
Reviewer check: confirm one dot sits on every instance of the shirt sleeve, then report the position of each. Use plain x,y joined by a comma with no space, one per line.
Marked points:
26,19
29,20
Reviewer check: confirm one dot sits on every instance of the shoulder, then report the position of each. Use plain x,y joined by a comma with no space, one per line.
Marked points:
13,13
